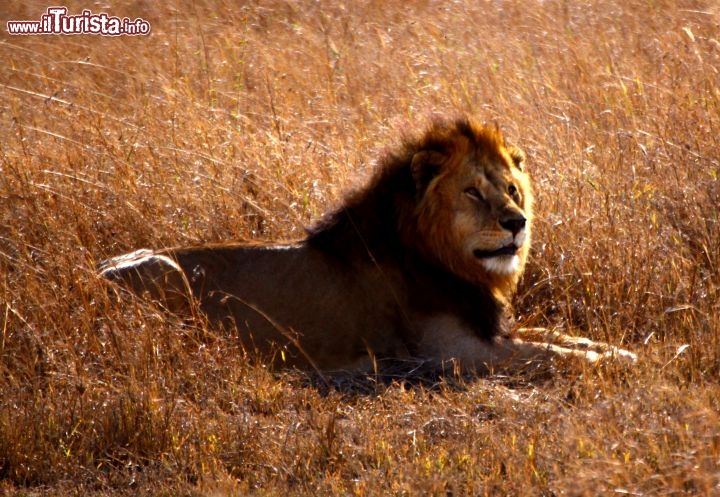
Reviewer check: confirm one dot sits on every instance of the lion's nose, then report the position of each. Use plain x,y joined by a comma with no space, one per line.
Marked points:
513,224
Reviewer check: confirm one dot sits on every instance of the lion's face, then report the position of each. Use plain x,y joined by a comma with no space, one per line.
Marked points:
489,200
475,204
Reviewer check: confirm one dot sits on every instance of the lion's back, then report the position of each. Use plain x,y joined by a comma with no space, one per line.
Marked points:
294,295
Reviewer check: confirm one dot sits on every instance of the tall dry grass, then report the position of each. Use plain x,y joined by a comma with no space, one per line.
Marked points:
239,122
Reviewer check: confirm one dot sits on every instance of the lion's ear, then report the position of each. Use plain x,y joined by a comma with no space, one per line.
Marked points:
425,166
518,157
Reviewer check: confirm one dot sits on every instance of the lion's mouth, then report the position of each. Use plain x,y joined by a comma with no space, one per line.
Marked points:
510,249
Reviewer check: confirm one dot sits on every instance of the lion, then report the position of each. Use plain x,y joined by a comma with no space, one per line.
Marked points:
419,264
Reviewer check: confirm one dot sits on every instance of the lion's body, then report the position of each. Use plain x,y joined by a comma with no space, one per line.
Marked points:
421,263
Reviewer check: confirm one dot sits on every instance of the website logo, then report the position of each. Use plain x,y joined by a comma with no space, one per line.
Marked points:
56,21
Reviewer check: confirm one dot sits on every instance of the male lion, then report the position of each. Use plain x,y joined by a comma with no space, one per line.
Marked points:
419,264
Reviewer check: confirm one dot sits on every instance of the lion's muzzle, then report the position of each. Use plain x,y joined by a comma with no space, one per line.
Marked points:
510,249
514,224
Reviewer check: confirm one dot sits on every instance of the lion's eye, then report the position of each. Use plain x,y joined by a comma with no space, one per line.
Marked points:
512,190
474,193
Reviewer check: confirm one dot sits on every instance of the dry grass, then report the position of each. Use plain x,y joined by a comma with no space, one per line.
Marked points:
248,122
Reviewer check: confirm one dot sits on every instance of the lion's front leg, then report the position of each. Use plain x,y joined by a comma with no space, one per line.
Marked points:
515,355
446,338
545,335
